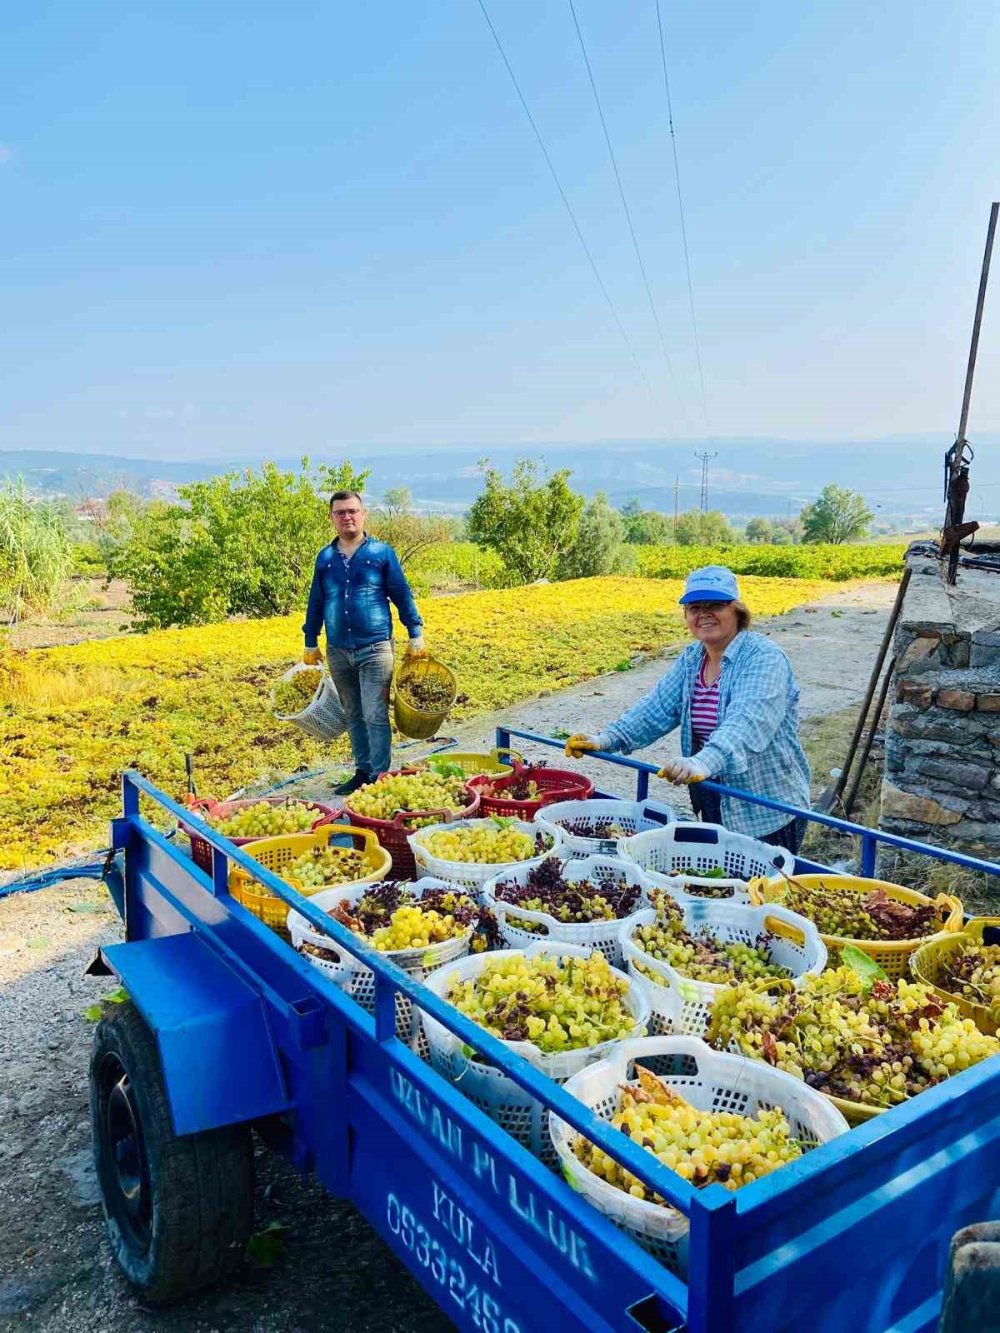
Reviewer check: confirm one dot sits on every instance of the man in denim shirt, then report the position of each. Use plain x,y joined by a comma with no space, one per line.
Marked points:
355,578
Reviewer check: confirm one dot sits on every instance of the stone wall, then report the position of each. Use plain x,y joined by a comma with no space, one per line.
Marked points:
942,759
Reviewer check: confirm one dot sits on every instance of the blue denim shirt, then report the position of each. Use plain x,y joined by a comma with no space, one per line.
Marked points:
756,744
350,598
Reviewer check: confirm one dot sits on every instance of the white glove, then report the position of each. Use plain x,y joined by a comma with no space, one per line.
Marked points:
684,771
415,647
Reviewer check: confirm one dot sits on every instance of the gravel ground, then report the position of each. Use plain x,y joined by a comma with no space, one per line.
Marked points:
334,1273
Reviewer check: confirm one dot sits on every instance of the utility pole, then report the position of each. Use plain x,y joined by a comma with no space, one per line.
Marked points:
677,498
706,458
960,455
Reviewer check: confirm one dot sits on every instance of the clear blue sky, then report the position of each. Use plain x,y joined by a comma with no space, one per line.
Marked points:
258,228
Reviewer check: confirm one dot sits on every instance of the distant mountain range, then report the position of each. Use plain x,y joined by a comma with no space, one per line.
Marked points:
900,478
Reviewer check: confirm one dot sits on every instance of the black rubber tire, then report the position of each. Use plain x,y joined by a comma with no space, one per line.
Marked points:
179,1210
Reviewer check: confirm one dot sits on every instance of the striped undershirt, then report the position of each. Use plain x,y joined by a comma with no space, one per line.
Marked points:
704,706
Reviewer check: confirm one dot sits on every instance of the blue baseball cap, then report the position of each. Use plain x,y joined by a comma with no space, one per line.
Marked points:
714,583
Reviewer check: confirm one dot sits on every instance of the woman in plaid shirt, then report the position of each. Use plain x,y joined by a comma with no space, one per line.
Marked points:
734,696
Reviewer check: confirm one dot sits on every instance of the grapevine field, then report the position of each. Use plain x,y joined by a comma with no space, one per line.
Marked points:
72,718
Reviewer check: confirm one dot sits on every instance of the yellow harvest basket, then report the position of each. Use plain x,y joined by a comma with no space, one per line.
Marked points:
418,723
893,956
926,967
474,764
276,854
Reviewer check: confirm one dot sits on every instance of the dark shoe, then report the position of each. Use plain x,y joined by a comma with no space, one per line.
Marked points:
361,777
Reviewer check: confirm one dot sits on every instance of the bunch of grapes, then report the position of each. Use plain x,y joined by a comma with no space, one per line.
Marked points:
513,789
326,865
698,955
973,972
392,917
263,820
600,828
876,1043
708,890
492,842
392,792
704,1147
558,1003
296,693
545,890
854,916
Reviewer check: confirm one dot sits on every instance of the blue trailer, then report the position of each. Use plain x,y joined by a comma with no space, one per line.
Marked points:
229,1031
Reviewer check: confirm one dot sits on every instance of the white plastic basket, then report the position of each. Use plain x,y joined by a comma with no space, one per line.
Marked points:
709,1080
472,875
356,977
691,849
323,716
792,942
630,816
489,1088
603,935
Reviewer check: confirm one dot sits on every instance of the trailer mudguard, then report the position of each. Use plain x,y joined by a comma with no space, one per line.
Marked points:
220,1065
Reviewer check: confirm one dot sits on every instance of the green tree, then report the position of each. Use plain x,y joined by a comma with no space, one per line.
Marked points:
709,528
239,544
395,521
600,546
759,532
645,527
35,552
838,515
529,522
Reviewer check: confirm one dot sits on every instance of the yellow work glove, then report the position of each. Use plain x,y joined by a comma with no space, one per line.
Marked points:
683,771
312,657
580,744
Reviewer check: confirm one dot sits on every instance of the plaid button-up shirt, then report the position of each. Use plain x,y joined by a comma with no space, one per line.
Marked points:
755,746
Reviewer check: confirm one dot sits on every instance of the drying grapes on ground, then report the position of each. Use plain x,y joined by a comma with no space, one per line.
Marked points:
263,820
392,792
855,916
697,954
704,1147
291,696
852,1033
546,890
558,1003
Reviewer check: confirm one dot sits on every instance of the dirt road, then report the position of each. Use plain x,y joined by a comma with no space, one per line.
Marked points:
334,1273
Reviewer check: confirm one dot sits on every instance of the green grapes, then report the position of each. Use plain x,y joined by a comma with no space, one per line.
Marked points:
876,1044
326,865
390,793
296,693
392,917
490,843
973,972
558,1003
698,955
704,1147
263,820
845,914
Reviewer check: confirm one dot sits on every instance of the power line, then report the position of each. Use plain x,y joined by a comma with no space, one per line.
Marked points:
680,207
628,214
562,194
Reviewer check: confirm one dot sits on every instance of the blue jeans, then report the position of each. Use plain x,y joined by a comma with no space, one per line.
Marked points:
362,677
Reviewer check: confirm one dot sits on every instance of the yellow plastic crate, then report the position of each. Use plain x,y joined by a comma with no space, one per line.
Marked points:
474,764
276,854
893,956
926,967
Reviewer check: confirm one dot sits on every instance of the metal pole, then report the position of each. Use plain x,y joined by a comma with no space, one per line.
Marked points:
978,321
859,772
897,606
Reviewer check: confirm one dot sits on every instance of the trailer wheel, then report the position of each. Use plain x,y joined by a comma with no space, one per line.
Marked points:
179,1210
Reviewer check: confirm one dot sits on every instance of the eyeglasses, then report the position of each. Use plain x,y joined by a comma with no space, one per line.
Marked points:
343,513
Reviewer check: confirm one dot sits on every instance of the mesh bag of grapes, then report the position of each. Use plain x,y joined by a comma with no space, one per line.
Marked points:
587,901
307,697
712,1118
559,1006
